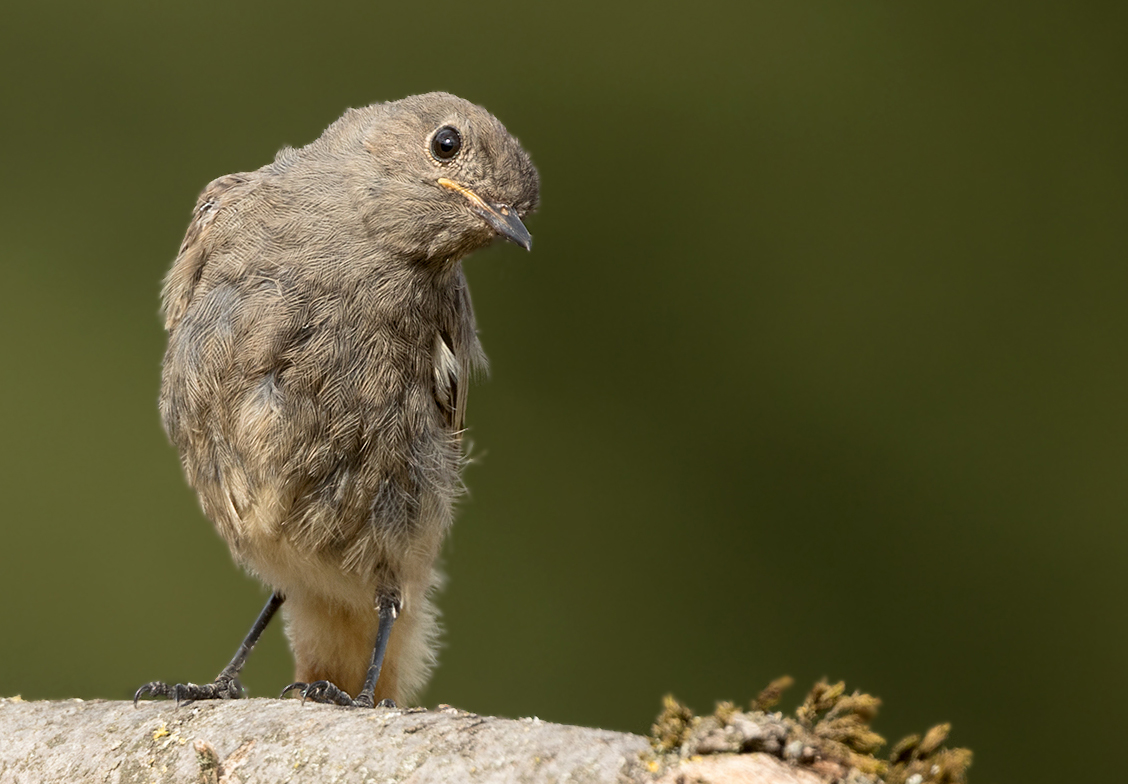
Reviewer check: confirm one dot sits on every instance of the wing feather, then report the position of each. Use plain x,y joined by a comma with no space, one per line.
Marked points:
182,278
458,355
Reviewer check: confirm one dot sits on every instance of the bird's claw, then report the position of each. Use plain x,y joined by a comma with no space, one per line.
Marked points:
295,686
331,694
321,691
219,689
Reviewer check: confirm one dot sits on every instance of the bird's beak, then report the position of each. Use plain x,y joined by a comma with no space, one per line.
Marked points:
501,217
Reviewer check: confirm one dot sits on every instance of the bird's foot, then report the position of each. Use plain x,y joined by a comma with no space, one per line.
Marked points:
219,689
331,694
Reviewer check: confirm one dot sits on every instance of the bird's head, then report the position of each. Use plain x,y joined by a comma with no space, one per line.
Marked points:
441,177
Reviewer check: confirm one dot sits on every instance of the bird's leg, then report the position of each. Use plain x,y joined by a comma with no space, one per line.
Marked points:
226,685
388,607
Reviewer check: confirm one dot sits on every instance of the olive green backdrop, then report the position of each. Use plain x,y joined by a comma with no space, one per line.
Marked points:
817,365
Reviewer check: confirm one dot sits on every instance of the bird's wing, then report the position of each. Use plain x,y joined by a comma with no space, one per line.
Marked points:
180,283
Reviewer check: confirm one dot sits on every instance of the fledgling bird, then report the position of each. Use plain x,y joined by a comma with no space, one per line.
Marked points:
320,343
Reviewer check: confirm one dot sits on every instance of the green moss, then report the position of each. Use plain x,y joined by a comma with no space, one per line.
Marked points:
926,757
725,711
831,729
672,727
770,696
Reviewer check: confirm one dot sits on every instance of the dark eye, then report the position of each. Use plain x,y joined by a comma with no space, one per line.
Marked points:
446,143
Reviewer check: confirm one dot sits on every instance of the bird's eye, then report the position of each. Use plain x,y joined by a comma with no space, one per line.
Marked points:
446,143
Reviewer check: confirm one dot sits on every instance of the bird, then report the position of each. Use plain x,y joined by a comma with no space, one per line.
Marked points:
321,341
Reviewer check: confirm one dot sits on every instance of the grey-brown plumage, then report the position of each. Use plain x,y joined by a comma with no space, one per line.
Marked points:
320,343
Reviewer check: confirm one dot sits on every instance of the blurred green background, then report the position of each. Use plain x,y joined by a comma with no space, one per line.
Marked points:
817,366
